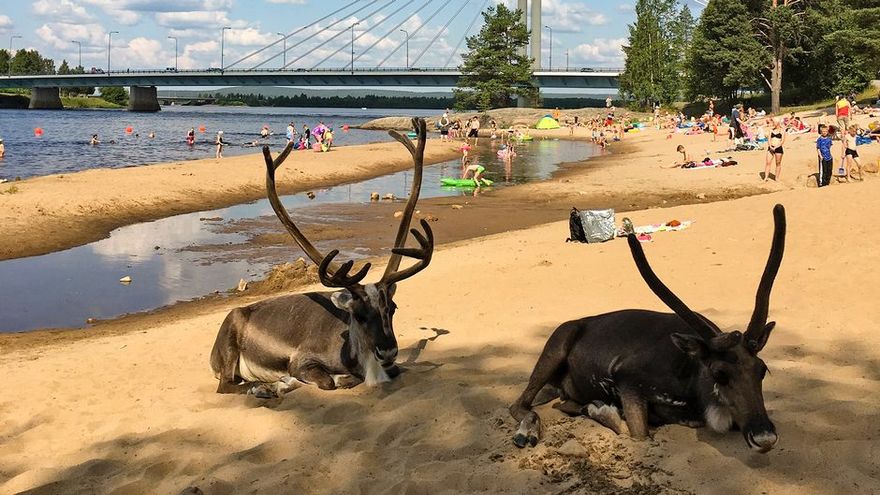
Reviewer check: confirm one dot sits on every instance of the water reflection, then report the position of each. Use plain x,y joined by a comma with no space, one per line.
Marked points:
168,259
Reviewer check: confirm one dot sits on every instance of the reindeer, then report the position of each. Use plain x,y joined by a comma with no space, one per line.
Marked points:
330,339
659,368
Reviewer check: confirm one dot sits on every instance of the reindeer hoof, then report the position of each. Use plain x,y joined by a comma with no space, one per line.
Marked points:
262,392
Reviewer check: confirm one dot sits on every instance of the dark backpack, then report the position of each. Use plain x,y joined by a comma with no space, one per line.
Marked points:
576,227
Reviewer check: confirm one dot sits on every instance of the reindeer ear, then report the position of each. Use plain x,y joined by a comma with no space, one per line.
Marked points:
342,299
758,343
691,345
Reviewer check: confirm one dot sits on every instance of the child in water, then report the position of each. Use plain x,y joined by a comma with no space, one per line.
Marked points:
476,169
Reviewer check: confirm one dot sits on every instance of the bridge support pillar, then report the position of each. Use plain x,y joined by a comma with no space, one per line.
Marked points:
143,99
45,99
537,31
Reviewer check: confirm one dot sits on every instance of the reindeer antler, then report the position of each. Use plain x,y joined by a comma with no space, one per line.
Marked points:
702,325
762,298
340,277
423,254
418,154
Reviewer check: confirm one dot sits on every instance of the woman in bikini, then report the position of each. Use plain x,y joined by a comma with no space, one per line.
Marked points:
775,150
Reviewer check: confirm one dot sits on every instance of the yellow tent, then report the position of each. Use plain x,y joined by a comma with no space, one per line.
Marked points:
547,122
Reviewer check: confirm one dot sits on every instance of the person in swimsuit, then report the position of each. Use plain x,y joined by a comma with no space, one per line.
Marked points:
775,150
477,170
191,136
94,141
220,143
850,154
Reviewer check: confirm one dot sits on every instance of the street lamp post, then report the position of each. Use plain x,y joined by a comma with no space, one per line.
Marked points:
406,40
551,46
14,36
109,37
222,42
566,60
352,46
284,53
80,53
175,51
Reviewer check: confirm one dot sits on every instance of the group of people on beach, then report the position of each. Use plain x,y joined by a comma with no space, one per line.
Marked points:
753,129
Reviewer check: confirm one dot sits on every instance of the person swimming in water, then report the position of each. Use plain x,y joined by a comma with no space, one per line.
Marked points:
191,136
94,141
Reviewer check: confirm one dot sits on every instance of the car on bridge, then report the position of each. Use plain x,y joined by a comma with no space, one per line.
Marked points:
96,70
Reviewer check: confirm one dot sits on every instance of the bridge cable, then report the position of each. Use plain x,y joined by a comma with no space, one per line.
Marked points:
440,32
270,45
466,31
358,11
411,36
340,33
391,31
363,33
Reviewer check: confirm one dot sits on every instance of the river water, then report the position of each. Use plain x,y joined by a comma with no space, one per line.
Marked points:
171,260
63,146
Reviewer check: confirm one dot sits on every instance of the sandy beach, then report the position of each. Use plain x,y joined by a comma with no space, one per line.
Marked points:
54,212
132,409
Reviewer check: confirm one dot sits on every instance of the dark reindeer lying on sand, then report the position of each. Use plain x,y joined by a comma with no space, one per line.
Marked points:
659,368
330,339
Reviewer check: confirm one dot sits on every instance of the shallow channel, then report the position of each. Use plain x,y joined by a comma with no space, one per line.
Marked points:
165,262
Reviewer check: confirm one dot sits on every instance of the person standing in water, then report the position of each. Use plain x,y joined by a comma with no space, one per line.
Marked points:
2,148
191,136
220,143
94,141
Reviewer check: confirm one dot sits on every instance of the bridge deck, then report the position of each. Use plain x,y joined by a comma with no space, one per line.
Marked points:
581,78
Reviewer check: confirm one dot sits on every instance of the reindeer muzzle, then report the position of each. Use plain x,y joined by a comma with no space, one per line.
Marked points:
386,356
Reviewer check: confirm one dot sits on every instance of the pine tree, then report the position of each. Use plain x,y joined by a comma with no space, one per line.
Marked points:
859,35
724,56
654,53
780,27
494,71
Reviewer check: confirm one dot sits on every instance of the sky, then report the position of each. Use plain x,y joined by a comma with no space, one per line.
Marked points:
591,31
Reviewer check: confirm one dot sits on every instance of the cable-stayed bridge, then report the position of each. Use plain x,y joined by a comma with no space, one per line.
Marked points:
357,45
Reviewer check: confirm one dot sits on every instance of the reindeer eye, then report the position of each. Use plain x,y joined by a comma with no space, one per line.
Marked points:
721,377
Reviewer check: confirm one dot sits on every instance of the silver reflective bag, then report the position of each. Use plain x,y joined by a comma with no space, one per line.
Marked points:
598,225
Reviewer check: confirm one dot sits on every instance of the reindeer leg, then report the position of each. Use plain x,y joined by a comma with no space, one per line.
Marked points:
635,409
548,365
314,373
606,415
225,354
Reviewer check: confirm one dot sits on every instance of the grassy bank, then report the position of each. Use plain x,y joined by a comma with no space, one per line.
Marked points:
87,102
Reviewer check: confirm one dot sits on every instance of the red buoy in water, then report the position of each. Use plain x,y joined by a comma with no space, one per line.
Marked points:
202,128
38,131
129,130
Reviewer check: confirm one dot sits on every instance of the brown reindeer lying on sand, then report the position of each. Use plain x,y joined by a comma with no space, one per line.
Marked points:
330,339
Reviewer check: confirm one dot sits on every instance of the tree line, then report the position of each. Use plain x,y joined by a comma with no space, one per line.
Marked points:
303,100
797,51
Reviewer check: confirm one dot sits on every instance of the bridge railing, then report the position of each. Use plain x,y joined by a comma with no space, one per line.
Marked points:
360,70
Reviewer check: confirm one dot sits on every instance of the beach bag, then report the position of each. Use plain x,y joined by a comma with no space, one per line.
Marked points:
591,226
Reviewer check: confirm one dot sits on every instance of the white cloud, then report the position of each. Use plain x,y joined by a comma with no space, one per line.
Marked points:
61,10
602,51
568,17
59,34
5,23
